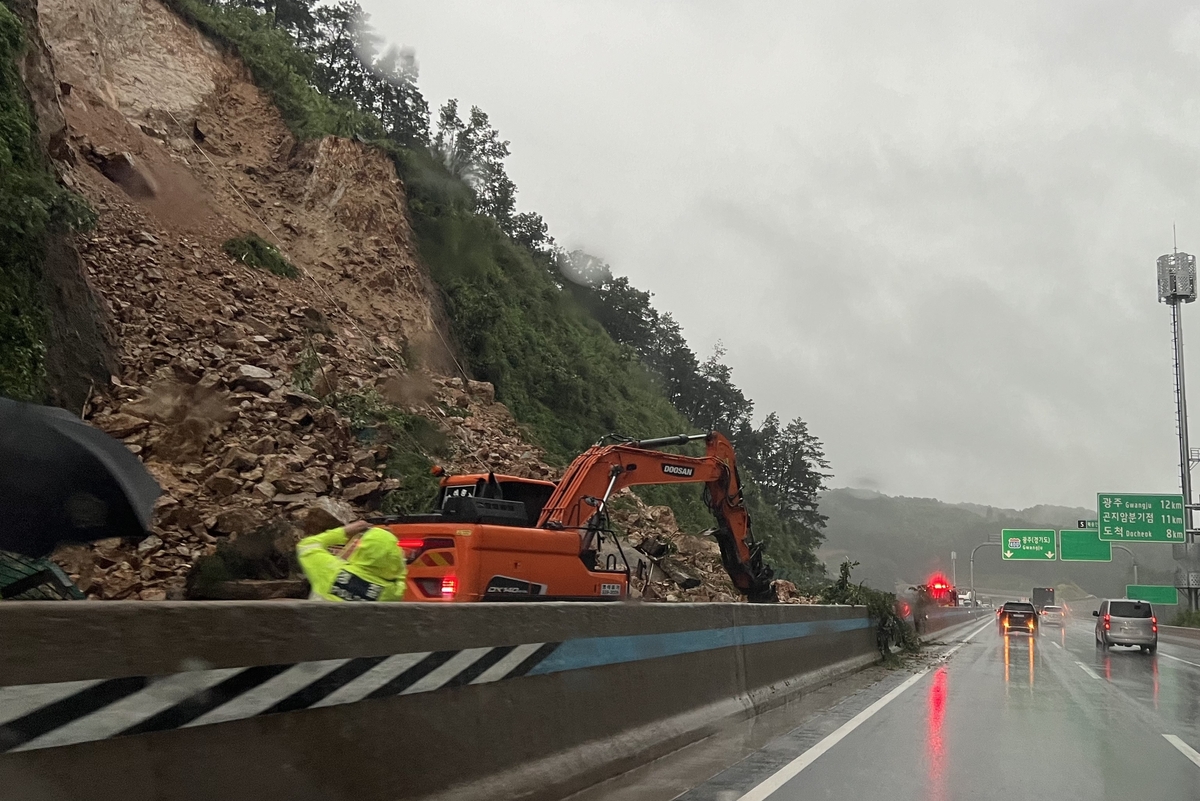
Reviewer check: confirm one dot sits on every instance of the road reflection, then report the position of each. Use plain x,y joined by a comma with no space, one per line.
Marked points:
1020,639
1031,662
934,748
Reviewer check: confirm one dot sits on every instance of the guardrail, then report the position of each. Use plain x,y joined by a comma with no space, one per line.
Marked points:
1182,635
300,700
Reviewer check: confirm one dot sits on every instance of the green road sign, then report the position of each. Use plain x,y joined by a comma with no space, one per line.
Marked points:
1027,543
1152,593
1140,518
1075,545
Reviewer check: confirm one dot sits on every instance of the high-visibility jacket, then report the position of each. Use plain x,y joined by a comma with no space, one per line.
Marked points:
374,572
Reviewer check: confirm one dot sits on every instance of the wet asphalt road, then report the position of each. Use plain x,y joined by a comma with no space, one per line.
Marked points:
1015,717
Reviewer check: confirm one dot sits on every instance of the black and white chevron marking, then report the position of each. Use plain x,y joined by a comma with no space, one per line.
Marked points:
47,715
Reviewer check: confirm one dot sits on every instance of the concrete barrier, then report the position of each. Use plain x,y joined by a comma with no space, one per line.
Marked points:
941,617
299,700
1179,635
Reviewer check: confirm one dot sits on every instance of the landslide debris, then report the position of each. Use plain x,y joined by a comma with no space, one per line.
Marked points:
267,406
670,564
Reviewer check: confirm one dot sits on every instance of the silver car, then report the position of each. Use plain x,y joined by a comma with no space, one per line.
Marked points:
1122,622
1053,616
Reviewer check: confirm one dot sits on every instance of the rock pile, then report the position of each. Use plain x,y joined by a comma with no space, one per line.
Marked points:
231,385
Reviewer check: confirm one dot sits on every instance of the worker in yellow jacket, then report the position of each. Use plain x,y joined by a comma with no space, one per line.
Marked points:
370,568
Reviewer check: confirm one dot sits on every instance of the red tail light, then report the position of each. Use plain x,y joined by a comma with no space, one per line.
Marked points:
449,586
1154,624
1106,622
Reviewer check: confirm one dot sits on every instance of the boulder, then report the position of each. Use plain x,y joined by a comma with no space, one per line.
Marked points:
366,494
122,425
255,379
263,445
149,544
483,390
326,513
264,491
236,522
239,459
224,482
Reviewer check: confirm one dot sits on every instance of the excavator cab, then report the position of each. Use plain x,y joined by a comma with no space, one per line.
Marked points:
532,493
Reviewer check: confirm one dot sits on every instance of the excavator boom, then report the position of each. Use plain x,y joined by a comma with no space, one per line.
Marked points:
581,496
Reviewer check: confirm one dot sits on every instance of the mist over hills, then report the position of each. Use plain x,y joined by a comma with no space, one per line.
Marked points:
901,540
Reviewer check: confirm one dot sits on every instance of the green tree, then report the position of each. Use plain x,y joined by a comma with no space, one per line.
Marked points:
398,102
474,152
344,47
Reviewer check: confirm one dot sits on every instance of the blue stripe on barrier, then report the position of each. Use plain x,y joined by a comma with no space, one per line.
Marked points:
597,651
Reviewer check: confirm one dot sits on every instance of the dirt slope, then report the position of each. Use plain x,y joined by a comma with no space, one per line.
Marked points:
233,382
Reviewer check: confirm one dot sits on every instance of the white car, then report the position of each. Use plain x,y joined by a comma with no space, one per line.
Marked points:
1053,616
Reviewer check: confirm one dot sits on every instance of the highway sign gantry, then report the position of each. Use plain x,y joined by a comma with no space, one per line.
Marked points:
1153,593
1125,517
1076,545
1027,544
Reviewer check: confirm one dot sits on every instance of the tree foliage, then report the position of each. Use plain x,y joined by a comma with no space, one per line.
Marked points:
891,629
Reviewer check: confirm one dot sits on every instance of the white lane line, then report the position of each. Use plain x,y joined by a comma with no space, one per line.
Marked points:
789,771
1184,748
1056,645
1088,670
1177,659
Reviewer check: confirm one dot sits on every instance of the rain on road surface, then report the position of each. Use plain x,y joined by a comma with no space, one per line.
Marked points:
1015,717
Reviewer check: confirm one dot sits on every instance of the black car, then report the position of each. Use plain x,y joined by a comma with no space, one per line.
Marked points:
1017,617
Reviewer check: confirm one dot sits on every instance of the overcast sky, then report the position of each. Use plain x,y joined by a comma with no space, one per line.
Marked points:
929,229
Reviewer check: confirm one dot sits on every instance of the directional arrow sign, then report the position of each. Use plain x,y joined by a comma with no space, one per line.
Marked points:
1075,545
1027,544
1140,518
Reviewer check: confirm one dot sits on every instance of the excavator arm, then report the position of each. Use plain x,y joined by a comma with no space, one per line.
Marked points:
582,496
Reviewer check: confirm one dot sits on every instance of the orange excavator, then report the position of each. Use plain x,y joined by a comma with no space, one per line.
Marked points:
503,538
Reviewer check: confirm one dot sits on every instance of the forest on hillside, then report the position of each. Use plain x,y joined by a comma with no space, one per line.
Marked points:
576,352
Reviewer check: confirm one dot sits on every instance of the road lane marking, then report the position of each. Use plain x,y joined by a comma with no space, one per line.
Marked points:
1056,645
1088,670
1177,659
767,787
1184,748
